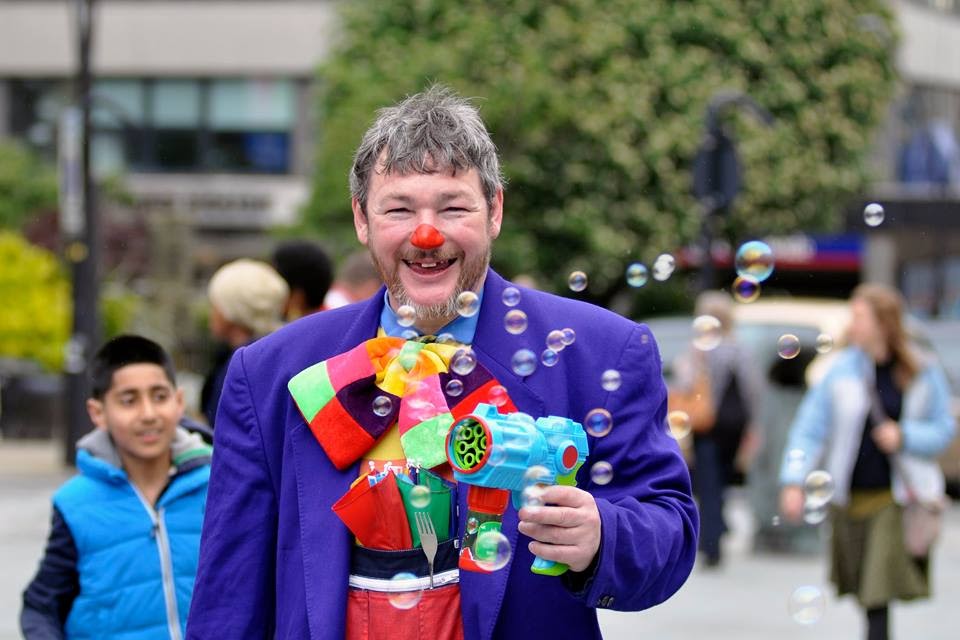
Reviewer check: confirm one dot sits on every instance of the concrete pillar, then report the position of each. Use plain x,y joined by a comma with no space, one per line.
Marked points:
879,259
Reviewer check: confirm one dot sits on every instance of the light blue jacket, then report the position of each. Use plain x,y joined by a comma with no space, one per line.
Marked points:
829,424
136,561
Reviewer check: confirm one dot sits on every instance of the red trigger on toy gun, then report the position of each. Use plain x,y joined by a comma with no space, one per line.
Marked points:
426,236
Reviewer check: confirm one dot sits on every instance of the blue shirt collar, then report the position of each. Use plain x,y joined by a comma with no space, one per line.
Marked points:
461,328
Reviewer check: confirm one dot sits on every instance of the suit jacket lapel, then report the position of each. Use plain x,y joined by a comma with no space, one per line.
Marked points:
325,548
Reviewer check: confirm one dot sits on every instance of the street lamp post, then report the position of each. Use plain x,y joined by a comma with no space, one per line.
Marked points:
81,245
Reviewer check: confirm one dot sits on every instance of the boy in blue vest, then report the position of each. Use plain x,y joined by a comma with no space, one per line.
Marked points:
122,553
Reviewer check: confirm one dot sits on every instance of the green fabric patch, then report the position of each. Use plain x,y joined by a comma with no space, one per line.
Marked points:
311,389
425,442
408,354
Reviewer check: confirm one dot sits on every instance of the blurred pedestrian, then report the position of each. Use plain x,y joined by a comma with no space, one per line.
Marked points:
357,279
247,298
735,389
882,404
307,269
122,553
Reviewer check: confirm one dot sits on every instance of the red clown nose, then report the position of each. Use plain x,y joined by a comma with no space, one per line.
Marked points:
426,236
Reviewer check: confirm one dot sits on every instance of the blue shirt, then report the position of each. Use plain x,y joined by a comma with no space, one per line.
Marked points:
462,328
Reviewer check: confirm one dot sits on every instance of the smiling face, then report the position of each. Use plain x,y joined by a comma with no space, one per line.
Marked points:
429,279
140,410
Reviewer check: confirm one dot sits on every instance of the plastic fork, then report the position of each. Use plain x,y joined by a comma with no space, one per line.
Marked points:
428,538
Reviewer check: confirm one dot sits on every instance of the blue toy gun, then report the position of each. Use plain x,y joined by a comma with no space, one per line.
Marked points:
492,453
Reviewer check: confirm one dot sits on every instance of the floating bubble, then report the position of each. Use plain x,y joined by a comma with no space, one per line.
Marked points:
806,604
420,496
577,281
637,275
555,340
788,346
601,472
454,387
873,214
679,424
498,395
549,357
515,321
663,267
472,525
775,521
406,315
532,496
569,336
598,422
754,259
405,591
492,550
746,289
814,514
463,361
796,458
496,456
511,296
409,334
382,405
818,487
824,343
523,362
446,338
468,303
707,333
537,475
610,380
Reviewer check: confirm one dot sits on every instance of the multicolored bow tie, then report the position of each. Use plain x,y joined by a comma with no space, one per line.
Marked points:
351,400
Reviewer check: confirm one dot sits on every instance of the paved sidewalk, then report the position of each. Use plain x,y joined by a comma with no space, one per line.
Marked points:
746,599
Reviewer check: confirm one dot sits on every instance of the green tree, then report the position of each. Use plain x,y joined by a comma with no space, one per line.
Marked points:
597,108
27,185
35,323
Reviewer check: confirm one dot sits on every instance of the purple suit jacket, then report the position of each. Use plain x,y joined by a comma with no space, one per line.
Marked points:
274,558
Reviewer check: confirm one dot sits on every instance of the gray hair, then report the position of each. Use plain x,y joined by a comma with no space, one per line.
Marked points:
434,129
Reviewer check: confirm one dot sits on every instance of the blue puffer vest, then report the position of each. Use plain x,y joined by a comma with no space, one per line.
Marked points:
136,562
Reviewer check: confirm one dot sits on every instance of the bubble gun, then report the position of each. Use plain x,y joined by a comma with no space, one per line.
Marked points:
502,455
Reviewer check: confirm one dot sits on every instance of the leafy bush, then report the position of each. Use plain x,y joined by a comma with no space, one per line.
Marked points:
27,186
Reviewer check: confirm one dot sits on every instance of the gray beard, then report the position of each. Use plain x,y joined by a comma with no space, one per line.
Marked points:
471,275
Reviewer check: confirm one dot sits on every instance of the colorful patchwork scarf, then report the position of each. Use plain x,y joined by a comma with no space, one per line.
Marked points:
352,399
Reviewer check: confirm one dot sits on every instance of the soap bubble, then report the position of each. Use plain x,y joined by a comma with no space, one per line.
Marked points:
754,259
824,343
610,380
555,340
707,333
382,405
409,334
746,289
601,472
420,496
636,275
454,387
806,604
788,346
663,267
775,521
679,424
468,303
405,591
532,496
511,296
498,395
536,475
463,361
598,422
813,513
873,214
577,281
524,362
492,550
568,336
406,315
515,321
818,487
446,338
549,357
472,525
496,455
796,458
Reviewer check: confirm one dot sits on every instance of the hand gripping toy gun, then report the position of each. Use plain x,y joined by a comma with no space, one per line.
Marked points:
492,453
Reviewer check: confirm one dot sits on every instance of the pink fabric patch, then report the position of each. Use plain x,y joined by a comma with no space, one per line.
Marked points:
349,367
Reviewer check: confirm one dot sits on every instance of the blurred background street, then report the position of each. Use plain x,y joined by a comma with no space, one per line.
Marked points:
746,599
